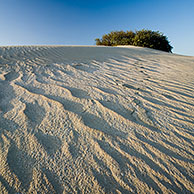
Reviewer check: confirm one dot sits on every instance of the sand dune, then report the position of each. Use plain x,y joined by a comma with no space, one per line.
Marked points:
96,120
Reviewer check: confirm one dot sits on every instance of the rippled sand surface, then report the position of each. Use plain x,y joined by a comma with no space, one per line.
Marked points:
96,120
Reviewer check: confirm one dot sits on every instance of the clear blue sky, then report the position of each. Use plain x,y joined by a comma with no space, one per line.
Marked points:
79,22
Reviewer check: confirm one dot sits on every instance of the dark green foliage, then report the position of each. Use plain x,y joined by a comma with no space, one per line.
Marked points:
144,38
151,39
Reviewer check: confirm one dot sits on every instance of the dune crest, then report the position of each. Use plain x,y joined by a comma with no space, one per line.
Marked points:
96,120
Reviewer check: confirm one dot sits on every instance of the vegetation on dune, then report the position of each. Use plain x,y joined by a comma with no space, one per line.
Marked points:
143,38
116,38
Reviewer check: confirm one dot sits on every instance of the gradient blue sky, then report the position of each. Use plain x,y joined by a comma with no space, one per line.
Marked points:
79,22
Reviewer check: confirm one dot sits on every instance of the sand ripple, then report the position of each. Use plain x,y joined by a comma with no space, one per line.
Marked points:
96,120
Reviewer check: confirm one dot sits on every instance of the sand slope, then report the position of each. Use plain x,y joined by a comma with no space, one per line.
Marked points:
96,120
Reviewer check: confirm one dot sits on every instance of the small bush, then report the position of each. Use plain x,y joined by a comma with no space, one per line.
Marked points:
116,38
143,38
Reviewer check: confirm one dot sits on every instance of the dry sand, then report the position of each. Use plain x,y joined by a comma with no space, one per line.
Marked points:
96,120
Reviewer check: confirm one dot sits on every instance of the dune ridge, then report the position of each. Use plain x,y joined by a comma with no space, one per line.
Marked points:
93,119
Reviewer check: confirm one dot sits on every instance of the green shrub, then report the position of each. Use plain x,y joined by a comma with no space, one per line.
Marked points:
116,38
151,39
143,38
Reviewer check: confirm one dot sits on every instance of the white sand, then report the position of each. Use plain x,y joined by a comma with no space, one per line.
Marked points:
96,120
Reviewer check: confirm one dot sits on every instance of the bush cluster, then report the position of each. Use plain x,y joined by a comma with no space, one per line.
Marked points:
143,38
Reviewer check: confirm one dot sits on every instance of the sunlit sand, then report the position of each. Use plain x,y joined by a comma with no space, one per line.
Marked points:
96,120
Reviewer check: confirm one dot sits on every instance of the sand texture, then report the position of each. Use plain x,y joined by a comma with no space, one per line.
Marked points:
95,120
